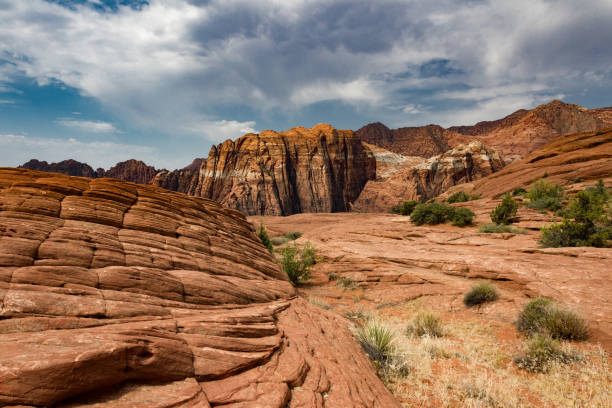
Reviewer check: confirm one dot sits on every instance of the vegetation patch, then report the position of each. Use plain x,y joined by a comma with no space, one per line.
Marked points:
346,283
405,208
479,294
378,341
518,191
426,324
500,228
262,234
542,316
283,239
462,197
438,213
297,261
544,195
505,211
542,353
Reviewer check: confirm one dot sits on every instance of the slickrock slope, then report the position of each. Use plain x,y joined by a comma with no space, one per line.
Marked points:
300,170
401,178
185,180
423,141
122,295
583,156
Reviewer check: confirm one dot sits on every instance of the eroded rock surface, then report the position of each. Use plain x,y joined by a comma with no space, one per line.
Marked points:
422,141
122,295
400,178
321,169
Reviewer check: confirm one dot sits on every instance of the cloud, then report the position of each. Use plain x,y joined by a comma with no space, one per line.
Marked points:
217,131
88,126
18,149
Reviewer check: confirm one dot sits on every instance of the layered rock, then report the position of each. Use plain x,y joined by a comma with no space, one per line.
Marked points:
400,178
69,167
123,295
565,160
184,180
132,170
300,170
423,141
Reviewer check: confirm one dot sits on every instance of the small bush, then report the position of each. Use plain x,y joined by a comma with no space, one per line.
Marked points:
262,234
542,317
377,340
503,213
426,324
518,191
404,208
458,197
499,229
480,293
462,217
297,262
292,236
346,283
542,352
278,241
433,213
544,195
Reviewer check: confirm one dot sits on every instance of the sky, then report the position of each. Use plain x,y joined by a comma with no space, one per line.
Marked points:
102,81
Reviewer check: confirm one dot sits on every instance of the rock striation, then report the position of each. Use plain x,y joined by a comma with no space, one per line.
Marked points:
321,169
400,178
423,141
122,295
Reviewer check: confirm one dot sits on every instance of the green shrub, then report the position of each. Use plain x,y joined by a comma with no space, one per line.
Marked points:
432,213
542,317
264,238
500,228
544,195
462,217
462,197
518,191
586,221
278,241
292,236
377,340
503,213
426,324
346,283
404,208
542,352
480,293
297,262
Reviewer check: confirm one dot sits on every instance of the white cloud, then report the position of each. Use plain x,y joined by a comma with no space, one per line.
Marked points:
359,90
18,149
88,125
217,131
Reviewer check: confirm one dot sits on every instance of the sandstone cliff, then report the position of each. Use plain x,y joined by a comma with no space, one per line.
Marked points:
184,180
400,178
123,295
424,141
300,170
132,170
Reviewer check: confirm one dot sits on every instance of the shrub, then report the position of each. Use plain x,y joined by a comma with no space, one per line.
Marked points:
278,241
500,228
433,213
480,293
518,191
426,324
504,211
376,340
458,197
264,238
542,317
542,352
297,262
544,195
586,221
346,283
292,236
462,217
404,208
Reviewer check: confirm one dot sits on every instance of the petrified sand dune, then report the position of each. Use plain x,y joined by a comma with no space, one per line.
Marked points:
122,295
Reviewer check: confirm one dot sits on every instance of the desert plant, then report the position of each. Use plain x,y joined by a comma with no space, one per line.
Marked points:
432,213
462,217
544,195
503,213
262,234
426,324
518,191
500,228
462,197
278,241
480,293
346,283
292,236
542,317
377,339
542,352
405,208
297,262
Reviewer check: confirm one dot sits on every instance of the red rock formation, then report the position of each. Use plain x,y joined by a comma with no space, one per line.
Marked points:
184,180
70,167
301,170
583,156
123,295
132,170
400,178
424,141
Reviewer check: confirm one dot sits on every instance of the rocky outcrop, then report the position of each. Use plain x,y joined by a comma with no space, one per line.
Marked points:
423,141
69,167
123,295
400,178
321,169
566,160
132,170
184,180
